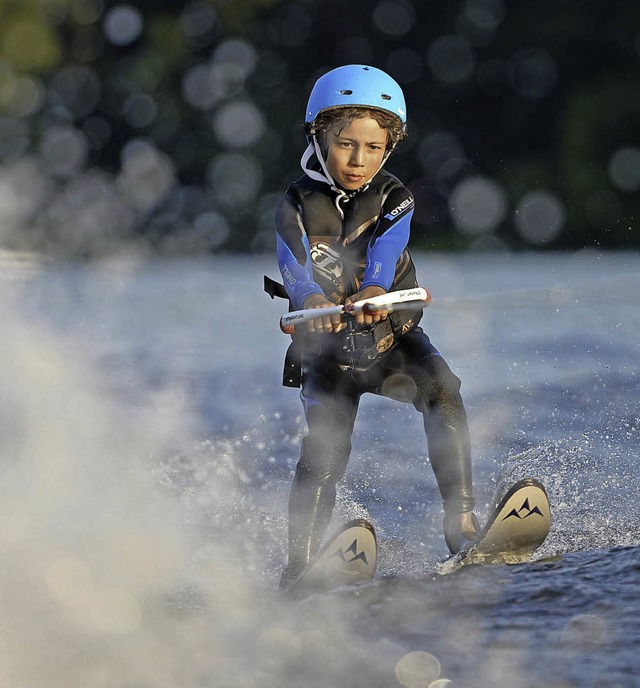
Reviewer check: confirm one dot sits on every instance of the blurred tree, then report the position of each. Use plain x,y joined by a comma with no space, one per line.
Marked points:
29,40
187,113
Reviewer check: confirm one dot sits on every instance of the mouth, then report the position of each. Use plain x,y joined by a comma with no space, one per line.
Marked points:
354,178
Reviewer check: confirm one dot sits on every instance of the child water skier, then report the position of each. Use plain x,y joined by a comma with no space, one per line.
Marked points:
342,233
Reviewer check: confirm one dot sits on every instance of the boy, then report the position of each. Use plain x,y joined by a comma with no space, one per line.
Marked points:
342,231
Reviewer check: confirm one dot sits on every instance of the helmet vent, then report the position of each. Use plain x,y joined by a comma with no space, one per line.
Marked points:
385,96
346,92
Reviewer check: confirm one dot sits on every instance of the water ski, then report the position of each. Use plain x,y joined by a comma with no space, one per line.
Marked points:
518,525
348,557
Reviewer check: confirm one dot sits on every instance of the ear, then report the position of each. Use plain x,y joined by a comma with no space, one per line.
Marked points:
323,142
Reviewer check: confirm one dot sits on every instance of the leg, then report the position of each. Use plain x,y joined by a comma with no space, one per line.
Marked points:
446,427
445,422
323,461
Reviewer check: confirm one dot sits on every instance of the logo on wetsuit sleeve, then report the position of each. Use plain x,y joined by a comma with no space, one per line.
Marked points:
288,275
407,203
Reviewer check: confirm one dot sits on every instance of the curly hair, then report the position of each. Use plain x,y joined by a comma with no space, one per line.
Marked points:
341,117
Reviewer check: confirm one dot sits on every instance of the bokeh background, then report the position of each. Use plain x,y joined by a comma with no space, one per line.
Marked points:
174,126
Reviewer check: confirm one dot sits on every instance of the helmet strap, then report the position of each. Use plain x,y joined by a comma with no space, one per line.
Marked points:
314,149
304,161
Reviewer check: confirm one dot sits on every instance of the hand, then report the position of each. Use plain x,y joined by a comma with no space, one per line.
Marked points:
333,323
368,293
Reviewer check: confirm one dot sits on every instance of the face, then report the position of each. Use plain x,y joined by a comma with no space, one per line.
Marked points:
356,152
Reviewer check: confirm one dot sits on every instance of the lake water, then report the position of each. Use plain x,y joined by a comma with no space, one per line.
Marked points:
147,450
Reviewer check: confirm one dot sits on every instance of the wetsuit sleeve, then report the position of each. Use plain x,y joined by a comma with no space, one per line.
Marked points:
389,239
293,253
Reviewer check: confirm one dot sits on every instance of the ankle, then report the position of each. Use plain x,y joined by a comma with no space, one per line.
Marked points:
460,530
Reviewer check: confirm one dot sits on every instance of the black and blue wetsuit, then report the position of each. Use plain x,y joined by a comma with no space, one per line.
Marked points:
337,244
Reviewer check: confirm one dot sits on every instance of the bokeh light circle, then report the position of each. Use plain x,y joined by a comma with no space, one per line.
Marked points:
441,154
485,14
238,124
23,97
196,87
212,227
123,25
146,176
540,217
405,65
394,17
16,207
234,178
63,150
624,169
198,19
478,205
533,73
585,631
451,59
77,89
417,669
237,52
140,110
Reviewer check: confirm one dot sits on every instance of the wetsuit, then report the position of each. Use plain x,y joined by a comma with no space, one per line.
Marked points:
336,245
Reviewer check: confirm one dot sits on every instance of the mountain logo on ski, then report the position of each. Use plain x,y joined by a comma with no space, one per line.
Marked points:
352,553
517,526
347,558
528,511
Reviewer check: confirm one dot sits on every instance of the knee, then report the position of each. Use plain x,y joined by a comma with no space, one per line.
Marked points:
448,381
323,458
438,385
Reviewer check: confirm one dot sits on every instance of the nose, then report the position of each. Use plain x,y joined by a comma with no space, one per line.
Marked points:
357,157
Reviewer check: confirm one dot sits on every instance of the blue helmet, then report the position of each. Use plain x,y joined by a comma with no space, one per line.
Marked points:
356,85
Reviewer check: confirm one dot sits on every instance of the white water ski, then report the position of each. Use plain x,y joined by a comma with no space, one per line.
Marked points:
349,557
517,526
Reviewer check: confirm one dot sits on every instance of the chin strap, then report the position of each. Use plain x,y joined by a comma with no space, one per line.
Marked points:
314,149
341,195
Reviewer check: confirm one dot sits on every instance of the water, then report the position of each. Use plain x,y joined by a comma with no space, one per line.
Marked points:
147,449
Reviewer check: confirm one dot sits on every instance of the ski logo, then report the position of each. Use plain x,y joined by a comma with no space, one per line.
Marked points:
351,554
524,511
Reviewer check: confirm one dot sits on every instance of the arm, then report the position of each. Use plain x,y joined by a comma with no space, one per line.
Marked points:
294,261
294,256
385,248
389,240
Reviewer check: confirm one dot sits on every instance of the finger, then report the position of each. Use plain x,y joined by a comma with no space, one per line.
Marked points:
327,324
337,323
340,326
382,314
321,324
374,315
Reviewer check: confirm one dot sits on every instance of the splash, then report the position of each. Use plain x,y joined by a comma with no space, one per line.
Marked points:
132,552
592,489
